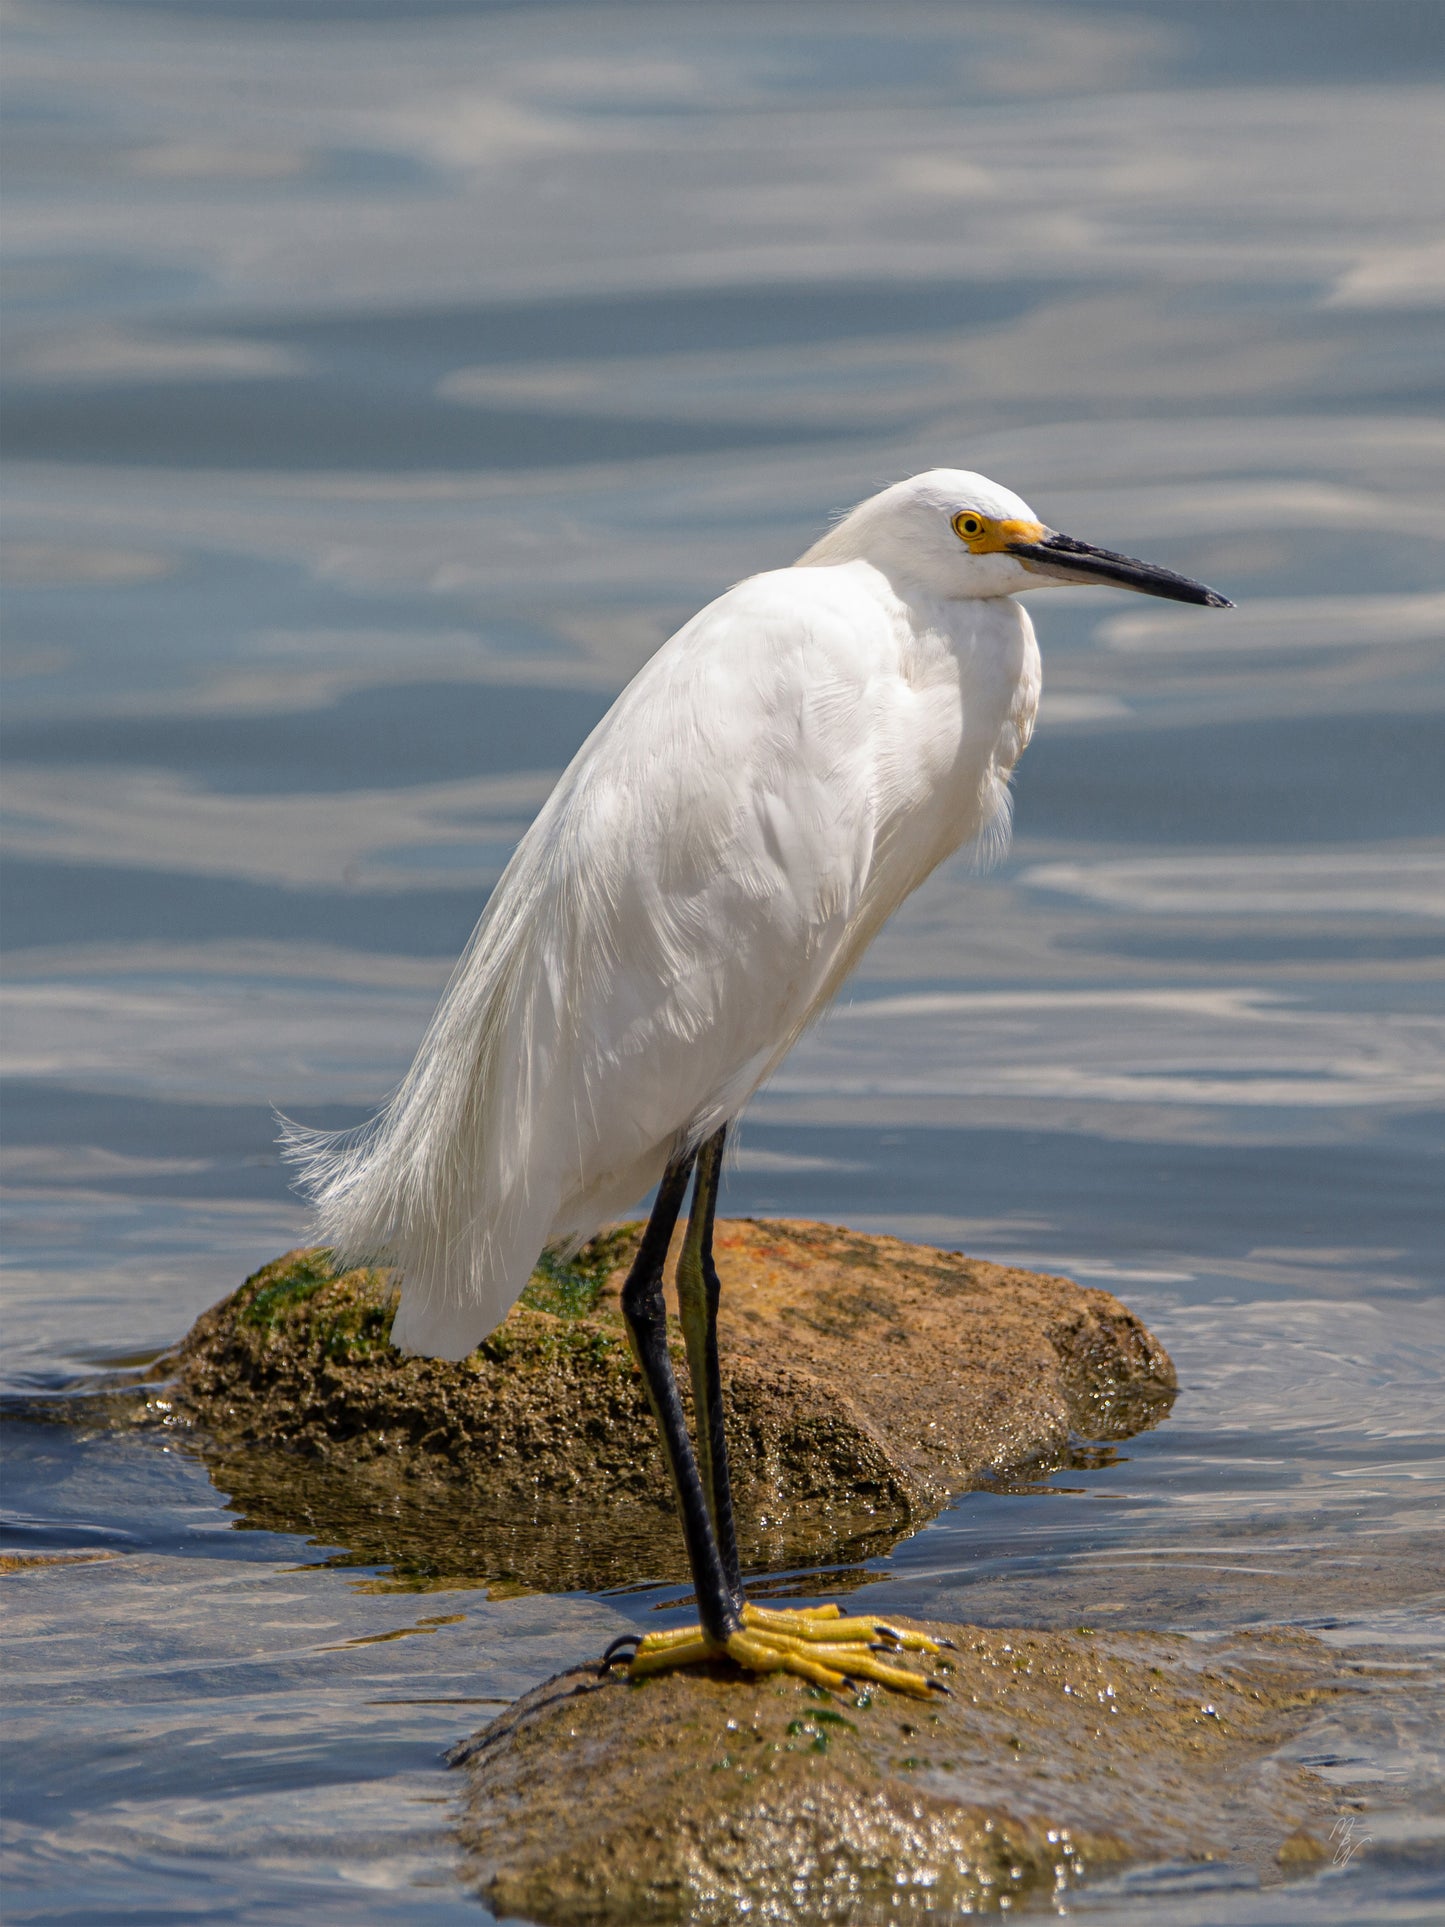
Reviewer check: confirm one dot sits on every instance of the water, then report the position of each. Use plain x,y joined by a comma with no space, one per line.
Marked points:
384,383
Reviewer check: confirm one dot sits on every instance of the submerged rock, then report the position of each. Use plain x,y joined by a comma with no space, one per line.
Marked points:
867,1381
1057,1755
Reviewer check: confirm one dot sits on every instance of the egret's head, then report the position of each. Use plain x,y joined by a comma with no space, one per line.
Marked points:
954,534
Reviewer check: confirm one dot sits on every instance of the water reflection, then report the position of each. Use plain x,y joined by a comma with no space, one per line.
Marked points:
383,385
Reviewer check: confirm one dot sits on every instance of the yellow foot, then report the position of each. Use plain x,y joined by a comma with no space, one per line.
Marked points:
818,1645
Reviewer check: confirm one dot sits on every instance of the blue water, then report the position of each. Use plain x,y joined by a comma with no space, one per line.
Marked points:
383,384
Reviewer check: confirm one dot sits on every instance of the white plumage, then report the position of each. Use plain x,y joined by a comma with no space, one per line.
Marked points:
765,792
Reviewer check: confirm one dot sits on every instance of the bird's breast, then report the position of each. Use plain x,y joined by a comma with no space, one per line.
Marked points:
974,688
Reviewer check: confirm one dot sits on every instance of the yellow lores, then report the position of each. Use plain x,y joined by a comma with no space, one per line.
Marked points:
992,535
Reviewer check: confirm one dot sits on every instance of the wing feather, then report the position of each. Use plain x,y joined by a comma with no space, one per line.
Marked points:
670,922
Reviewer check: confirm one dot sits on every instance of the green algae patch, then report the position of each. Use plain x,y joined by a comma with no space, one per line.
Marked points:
867,1381
1054,1759
270,1293
570,1286
301,1299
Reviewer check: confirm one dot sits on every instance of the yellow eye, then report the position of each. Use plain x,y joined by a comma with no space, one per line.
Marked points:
968,526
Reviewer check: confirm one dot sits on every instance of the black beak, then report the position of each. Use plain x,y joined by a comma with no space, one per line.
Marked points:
1070,561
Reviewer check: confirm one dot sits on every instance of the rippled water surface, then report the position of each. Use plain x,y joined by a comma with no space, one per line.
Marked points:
384,383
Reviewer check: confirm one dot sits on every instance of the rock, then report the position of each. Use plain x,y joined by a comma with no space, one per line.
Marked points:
1058,1755
1301,1852
867,1382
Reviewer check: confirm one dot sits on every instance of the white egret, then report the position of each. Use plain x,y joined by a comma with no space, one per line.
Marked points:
761,797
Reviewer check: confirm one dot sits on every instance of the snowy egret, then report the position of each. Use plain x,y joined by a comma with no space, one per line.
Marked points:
761,797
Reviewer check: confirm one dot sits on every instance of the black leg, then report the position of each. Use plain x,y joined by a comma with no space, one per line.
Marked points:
698,1289
646,1315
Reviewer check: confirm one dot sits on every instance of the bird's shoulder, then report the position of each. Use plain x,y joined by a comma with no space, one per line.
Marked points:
780,609
761,694
785,638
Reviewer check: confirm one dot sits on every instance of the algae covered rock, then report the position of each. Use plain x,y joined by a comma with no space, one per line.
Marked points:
1058,1755
867,1381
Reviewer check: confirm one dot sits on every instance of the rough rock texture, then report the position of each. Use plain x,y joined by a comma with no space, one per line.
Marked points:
1058,1754
867,1380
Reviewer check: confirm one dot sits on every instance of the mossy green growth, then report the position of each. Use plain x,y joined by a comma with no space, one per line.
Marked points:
532,1345
283,1290
569,1287
346,1315
358,1329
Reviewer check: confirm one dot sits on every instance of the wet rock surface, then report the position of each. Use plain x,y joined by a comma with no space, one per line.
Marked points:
867,1381
1057,1756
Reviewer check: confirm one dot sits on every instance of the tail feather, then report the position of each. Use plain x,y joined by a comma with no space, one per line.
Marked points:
440,1182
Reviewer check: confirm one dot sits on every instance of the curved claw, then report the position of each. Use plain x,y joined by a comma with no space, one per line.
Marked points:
618,1646
905,1639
